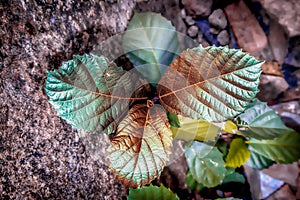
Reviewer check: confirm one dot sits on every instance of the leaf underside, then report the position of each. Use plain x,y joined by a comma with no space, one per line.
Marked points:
151,192
141,147
238,153
90,92
205,163
151,44
261,122
283,149
212,83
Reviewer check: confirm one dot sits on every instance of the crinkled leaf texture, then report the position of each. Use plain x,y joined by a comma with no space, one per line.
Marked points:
193,129
91,93
212,83
141,147
238,153
283,149
151,44
151,192
261,122
205,163
258,161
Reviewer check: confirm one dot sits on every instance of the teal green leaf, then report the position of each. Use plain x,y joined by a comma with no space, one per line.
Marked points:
173,120
238,153
212,83
205,163
233,176
193,129
192,183
283,149
141,147
90,92
261,122
258,161
151,44
151,192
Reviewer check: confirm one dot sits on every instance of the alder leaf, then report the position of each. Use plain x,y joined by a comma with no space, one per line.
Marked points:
193,129
151,192
258,161
260,122
90,92
151,44
233,176
192,183
205,163
141,147
283,149
238,153
212,83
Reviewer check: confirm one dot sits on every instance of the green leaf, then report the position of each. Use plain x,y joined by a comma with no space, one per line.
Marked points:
205,163
192,183
151,192
151,44
193,129
283,149
173,120
258,161
261,122
230,127
238,153
141,147
212,83
233,176
90,92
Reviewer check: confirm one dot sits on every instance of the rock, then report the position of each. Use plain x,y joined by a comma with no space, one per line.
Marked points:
286,13
293,57
270,87
291,94
272,68
183,13
189,20
245,27
218,19
223,37
168,8
278,41
204,26
193,31
283,193
196,8
214,31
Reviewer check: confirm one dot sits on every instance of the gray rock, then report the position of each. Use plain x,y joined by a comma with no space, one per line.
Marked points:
218,19
189,20
193,31
214,31
183,13
223,37
197,7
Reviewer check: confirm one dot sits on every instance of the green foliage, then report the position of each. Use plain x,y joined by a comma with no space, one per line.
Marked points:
192,183
238,153
205,163
283,149
151,192
261,122
212,83
149,52
258,161
232,176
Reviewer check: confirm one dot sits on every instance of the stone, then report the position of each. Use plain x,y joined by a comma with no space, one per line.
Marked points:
272,68
214,31
189,20
293,55
218,19
223,37
248,33
193,31
278,41
291,94
283,193
197,8
183,13
286,13
270,87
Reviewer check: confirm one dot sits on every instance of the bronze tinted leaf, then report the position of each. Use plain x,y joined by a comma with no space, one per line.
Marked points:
141,147
212,83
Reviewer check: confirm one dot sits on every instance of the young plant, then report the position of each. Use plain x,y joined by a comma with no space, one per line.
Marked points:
193,95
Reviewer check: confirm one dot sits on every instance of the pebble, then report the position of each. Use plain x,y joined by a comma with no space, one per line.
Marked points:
223,37
196,8
249,34
218,19
189,20
214,30
183,13
193,31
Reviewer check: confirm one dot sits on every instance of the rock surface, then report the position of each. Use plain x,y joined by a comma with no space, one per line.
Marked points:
223,37
246,29
196,8
193,31
218,19
40,155
286,13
